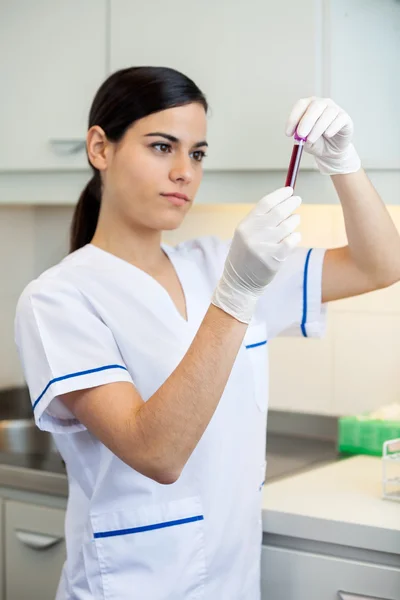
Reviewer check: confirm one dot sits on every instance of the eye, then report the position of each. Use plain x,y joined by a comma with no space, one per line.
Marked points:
162,147
199,155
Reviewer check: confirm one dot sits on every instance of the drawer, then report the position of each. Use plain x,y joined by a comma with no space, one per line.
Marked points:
296,575
35,550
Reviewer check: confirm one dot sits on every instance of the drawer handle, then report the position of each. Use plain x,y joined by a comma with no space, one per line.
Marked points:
38,541
347,596
66,147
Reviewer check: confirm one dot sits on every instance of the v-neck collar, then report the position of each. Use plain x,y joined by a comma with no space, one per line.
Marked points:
180,271
169,251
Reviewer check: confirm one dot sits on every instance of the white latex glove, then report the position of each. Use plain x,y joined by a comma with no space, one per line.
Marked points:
329,131
260,245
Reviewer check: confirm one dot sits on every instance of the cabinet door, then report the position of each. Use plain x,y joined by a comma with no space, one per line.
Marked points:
365,80
294,575
52,59
34,539
2,557
251,60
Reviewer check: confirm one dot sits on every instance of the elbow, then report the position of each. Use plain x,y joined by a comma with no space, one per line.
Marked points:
162,474
167,477
151,459
383,277
389,280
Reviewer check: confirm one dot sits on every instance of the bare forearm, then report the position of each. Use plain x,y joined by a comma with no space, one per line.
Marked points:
374,242
170,424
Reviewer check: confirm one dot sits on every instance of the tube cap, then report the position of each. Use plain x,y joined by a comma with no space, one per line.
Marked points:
298,138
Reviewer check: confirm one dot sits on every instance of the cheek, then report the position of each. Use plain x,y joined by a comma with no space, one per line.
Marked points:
197,177
144,169
134,172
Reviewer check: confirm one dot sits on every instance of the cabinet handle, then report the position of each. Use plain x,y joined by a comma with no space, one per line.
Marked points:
66,147
37,541
347,596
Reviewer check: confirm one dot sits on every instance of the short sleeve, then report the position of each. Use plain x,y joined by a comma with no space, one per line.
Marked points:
292,302
63,346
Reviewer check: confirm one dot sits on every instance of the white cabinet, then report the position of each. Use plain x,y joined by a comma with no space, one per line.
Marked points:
34,538
363,58
253,59
1,551
52,59
296,575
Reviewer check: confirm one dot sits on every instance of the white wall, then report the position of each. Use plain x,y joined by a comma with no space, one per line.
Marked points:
17,258
356,367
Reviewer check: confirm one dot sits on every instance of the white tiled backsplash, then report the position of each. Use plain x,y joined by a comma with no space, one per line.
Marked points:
355,367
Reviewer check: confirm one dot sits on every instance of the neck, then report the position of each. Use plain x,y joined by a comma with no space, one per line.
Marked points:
137,245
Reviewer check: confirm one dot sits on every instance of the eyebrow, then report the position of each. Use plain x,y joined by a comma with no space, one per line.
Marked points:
174,139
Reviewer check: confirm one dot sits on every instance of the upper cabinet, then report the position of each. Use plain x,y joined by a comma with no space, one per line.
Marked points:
253,59
52,59
363,60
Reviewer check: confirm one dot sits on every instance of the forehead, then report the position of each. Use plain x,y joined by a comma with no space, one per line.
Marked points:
188,123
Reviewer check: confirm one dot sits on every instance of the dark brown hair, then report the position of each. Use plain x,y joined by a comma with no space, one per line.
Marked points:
123,98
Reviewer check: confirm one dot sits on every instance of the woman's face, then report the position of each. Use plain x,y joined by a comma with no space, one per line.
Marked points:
160,154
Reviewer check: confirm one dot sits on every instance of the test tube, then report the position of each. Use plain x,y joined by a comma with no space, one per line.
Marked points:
295,160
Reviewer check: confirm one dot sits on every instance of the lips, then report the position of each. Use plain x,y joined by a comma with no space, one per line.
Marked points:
177,195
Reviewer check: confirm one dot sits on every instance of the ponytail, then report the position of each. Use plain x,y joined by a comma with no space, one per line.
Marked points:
86,214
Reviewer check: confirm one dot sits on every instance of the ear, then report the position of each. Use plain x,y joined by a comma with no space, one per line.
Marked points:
98,148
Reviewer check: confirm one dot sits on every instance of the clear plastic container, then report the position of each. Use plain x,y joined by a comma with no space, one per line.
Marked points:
391,470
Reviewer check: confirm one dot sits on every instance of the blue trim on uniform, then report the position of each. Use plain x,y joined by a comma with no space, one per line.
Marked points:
305,285
78,374
104,534
257,344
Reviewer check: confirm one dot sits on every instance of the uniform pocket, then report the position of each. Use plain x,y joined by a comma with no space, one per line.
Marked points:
154,552
255,342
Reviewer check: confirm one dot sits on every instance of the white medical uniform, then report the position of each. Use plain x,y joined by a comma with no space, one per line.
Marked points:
95,319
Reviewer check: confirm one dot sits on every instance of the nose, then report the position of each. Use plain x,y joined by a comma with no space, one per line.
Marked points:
181,170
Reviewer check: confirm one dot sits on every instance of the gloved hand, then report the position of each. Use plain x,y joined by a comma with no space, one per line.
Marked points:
329,131
260,245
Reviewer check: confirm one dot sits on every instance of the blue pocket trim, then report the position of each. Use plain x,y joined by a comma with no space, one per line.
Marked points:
257,344
104,534
77,374
305,285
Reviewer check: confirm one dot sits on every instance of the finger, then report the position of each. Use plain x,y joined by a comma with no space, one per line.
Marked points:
296,114
287,227
281,212
286,247
268,202
342,121
311,116
324,122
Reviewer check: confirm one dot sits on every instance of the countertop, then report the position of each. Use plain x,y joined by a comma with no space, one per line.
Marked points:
288,454
338,503
42,473
45,473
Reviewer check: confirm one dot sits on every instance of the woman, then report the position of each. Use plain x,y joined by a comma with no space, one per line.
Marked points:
148,363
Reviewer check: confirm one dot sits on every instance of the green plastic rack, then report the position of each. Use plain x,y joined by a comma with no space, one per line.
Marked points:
365,436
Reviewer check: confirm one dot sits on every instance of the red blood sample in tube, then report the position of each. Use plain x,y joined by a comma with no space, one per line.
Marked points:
295,160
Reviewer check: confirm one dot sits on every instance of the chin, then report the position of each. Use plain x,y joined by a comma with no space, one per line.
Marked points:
171,224
172,221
